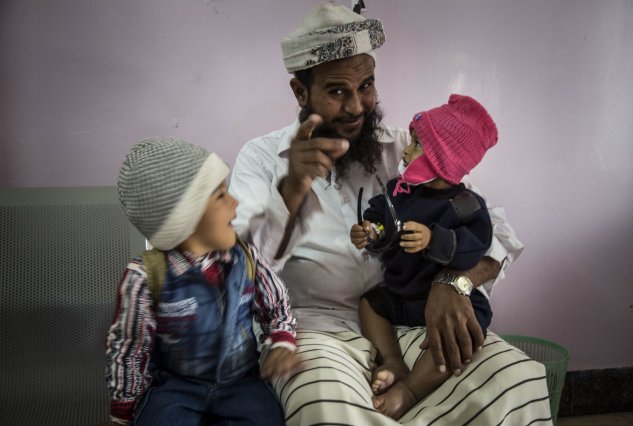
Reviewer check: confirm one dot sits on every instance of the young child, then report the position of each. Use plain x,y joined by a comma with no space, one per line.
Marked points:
192,357
444,225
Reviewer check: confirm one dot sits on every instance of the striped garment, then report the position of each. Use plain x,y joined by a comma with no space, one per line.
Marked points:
131,336
501,385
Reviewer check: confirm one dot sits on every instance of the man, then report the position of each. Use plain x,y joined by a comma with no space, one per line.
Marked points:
298,190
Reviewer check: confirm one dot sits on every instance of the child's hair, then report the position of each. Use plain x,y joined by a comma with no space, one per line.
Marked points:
455,136
164,186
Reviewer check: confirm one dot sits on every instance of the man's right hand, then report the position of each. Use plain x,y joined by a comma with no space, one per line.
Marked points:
308,158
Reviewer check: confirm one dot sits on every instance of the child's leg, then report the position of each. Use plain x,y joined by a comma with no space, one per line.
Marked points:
423,379
173,401
380,333
247,401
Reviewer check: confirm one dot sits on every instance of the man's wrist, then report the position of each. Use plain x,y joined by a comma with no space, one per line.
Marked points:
487,269
461,283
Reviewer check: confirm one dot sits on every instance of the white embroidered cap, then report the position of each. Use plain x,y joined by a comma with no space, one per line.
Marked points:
330,32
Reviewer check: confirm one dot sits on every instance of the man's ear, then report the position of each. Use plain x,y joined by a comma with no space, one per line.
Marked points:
300,92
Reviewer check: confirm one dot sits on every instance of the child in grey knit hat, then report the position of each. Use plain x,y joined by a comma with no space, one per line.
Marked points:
188,354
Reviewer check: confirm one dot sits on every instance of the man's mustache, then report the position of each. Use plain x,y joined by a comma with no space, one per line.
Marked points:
364,150
350,118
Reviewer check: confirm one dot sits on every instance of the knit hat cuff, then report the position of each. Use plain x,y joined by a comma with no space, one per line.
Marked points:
185,216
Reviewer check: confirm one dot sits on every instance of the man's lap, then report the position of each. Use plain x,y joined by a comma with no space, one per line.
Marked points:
333,386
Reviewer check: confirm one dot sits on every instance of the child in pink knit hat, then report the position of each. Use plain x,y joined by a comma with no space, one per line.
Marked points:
444,225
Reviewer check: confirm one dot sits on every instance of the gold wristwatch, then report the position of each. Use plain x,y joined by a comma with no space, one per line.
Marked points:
461,283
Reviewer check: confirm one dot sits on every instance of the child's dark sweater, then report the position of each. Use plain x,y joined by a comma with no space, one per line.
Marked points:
461,234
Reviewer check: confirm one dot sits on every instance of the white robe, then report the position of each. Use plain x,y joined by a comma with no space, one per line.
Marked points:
326,275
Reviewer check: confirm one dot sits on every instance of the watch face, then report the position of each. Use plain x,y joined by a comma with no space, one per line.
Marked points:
464,284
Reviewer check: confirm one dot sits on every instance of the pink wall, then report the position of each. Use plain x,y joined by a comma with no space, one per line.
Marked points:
81,80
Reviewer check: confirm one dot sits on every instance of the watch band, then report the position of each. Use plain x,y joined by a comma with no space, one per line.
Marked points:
461,283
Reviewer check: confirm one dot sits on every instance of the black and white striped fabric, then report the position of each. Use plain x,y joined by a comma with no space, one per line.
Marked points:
501,386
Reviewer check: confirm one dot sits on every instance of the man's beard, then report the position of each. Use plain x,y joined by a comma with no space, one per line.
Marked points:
365,149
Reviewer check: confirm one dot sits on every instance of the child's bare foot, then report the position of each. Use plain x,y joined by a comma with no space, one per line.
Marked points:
403,395
389,373
396,401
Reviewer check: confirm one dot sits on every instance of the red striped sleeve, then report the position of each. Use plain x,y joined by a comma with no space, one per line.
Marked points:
272,305
129,343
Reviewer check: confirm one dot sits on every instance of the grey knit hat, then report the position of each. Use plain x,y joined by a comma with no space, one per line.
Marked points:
330,32
164,186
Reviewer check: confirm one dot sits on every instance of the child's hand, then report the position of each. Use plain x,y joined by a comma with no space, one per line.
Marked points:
359,234
278,363
417,237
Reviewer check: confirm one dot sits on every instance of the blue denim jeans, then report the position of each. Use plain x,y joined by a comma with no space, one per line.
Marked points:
176,401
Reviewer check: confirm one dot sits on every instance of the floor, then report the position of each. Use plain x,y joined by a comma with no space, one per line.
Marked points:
614,419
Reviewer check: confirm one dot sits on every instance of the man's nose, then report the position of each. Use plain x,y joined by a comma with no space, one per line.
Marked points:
353,105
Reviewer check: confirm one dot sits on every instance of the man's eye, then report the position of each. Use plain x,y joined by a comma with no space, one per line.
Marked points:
337,92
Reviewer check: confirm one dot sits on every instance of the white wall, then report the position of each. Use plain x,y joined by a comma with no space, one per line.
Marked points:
81,80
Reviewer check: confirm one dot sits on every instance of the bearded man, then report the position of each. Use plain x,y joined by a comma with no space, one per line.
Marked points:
298,191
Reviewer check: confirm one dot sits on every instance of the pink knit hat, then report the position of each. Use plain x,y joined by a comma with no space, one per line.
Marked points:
454,137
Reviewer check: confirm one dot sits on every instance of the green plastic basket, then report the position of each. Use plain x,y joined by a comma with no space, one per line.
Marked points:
550,354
